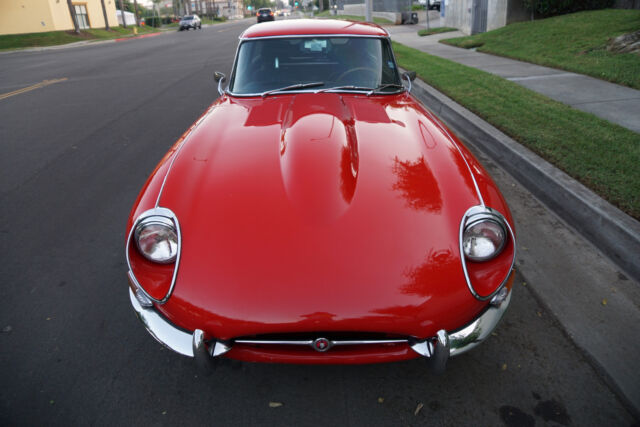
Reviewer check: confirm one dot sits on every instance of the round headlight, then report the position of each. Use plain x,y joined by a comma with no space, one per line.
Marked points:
157,240
483,240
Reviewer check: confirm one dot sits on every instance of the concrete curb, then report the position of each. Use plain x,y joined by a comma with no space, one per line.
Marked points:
612,231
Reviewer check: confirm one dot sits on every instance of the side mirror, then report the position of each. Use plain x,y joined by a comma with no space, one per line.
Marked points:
409,75
219,77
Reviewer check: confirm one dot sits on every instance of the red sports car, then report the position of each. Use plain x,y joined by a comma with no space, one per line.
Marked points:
318,213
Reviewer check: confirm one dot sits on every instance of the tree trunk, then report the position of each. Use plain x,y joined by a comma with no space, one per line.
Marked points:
104,13
72,11
135,10
124,18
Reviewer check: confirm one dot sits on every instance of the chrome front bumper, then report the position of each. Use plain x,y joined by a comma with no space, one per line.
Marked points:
438,349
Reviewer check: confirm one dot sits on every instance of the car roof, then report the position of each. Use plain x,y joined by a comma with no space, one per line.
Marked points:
300,27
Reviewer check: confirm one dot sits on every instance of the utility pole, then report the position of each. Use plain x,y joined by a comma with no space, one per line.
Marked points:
368,6
72,11
124,18
104,13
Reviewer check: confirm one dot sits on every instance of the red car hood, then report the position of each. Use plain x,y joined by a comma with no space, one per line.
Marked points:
319,212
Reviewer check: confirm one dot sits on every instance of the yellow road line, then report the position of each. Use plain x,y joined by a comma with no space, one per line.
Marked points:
32,87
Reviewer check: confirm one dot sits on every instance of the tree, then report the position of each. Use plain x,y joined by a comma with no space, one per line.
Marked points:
72,11
135,11
124,21
104,13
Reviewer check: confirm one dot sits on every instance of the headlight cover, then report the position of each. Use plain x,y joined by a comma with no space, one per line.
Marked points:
157,239
484,234
483,238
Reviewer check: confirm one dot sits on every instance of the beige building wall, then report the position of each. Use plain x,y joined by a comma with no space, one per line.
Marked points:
61,16
25,16
36,16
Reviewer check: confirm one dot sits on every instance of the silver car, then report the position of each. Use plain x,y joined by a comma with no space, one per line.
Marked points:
190,21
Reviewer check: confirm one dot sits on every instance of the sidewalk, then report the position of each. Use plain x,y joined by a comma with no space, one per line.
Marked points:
609,101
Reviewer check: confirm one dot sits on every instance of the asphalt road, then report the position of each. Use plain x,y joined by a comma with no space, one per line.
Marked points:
73,156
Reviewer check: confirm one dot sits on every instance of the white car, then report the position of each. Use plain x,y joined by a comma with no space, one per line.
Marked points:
190,21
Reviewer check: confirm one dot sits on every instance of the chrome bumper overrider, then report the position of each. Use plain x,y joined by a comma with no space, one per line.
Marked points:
437,349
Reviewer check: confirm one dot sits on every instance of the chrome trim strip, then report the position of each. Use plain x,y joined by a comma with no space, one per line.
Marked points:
166,175
310,342
179,149
163,331
473,177
483,210
163,212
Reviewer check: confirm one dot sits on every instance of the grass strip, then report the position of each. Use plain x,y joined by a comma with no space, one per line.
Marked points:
438,30
327,14
575,42
52,38
603,156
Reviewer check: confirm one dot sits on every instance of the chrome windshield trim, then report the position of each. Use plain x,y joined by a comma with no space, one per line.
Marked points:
489,212
165,213
288,36
293,92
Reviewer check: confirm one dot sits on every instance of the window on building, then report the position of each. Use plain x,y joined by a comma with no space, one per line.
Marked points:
81,16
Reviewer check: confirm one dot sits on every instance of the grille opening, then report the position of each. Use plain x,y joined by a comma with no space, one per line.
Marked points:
333,335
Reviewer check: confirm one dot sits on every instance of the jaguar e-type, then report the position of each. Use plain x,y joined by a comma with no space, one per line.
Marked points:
318,213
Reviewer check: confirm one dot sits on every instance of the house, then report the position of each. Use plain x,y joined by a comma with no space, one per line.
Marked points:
37,16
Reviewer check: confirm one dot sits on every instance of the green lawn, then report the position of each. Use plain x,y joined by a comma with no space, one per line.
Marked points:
438,30
575,42
327,14
603,156
17,41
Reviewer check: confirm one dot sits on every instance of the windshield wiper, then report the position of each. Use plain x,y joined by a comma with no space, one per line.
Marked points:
379,88
348,87
292,87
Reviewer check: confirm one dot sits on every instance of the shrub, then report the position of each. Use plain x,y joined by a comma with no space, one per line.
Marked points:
547,8
154,21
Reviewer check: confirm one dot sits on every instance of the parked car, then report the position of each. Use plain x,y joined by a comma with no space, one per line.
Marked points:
430,4
318,213
190,21
265,14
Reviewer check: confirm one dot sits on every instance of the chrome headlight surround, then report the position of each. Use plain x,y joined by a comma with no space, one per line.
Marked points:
156,216
477,215
156,239
476,228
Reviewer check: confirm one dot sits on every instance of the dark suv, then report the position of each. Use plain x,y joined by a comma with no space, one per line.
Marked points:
265,14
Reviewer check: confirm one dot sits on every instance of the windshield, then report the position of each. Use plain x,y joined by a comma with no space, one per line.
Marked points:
187,18
354,62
